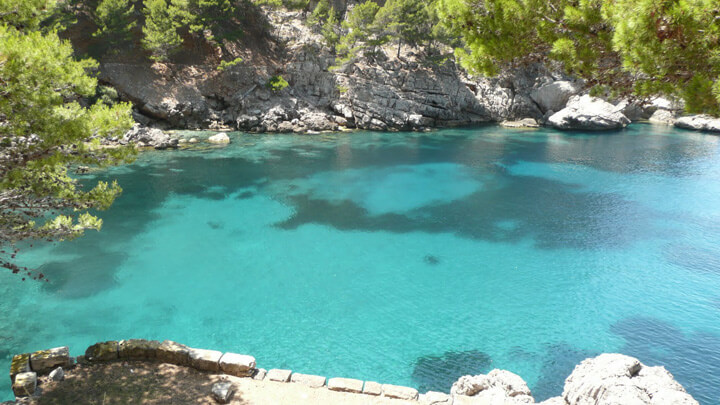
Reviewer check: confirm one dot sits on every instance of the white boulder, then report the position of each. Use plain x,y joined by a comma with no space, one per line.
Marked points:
220,138
554,96
588,113
495,386
699,123
619,379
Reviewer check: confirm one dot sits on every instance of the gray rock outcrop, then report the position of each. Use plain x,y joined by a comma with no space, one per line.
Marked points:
588,113
699,123
619,379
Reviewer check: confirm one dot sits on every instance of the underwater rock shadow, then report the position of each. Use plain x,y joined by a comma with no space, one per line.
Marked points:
694,359
84,276
438,373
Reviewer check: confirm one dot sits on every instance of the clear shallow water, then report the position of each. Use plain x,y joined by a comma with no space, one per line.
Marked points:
402,258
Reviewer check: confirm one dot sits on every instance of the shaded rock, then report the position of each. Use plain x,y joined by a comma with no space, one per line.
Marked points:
372,388
259,374
138,349
554,96
701,122
20,364
238,365
399,392
313,381
278,375
222,392
588,113
173,353
664,117
103,351
523,123
58,374
25,384
205,360
220,138
620,379
345,385
45,361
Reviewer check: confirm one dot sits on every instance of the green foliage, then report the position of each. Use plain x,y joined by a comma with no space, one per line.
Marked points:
360,32
228,64
44,130
330,30
115,20
26,14
651,46
320,14
162,21
277,83
404,21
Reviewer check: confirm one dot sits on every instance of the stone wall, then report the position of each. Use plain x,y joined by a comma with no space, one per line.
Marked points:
608,379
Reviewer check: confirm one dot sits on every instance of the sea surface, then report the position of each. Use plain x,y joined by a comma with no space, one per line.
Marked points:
403,258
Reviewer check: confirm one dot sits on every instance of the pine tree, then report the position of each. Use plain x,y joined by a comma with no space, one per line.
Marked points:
115,20
44,129
162,22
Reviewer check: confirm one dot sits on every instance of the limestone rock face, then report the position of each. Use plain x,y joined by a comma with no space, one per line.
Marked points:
25,384
699,123
588,113
497,385
45,361
554,96
619,379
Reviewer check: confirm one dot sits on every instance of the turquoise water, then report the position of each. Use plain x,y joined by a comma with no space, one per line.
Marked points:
402,258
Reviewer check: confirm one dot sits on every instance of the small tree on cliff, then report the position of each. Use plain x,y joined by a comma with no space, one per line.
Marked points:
43,130
115,20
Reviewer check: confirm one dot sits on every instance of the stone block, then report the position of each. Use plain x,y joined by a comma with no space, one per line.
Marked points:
435,398
239,365
222,392
399,392
25,384
205,360
313,381
259,374
278,375
173,353
372,388
103,351
58,374
45,361
138,349
20,364
345,385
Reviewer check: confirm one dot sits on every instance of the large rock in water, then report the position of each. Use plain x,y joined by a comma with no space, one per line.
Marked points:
619,379
699,123
153,137
498,386
588,113
554,96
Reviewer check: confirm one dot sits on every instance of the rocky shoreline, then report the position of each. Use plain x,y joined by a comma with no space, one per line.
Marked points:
604,380
387,93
